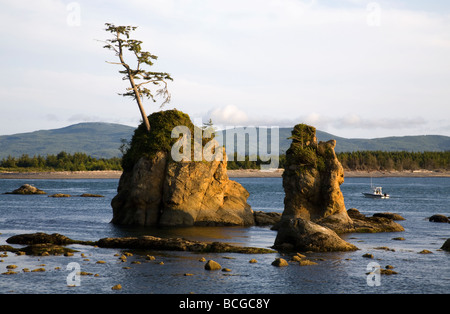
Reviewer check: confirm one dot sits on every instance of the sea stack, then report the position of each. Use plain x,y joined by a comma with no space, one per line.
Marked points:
156,190
311,181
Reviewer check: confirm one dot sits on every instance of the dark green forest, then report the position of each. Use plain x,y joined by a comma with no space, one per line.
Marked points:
364,160
373,160
60,162
399,161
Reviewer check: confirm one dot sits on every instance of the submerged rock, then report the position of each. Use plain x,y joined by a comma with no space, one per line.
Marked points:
212,265
41,242
364,224
387,271
176,244
305,262
38,238
280,262
155,190
439,218
90,195
266,218
45,249
7,248
27,189
57,195
446,245
392,216
37,248
355,214
41,238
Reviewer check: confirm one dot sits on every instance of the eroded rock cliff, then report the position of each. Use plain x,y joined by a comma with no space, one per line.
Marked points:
312,179
314,209
156,190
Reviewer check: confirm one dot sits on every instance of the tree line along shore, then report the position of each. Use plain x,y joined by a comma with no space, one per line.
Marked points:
360,161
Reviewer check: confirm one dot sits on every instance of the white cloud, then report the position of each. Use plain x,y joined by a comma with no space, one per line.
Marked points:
229,116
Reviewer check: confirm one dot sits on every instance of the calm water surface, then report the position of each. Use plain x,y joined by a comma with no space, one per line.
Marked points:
88,219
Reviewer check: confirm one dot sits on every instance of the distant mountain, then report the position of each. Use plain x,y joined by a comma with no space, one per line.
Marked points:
405,143
102,140
98,139
420,143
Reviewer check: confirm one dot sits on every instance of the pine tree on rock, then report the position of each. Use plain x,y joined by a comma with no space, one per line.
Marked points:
139,78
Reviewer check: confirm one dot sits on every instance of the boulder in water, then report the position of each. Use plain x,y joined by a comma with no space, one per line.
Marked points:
27,189
304,235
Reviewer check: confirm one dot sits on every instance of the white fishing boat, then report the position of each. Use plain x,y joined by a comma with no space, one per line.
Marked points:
377,192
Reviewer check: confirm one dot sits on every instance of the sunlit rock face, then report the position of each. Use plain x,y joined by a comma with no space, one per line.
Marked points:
156,190
312,179
314,209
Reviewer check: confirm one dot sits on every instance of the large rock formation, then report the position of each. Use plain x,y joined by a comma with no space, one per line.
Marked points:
313,198
312,179
155,190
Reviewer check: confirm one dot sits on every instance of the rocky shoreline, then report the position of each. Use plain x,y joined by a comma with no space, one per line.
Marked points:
241,173
48,175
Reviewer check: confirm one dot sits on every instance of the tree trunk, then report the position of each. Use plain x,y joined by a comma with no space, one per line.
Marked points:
138,99
133,86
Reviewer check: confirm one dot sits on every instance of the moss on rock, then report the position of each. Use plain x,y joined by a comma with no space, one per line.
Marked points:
147,144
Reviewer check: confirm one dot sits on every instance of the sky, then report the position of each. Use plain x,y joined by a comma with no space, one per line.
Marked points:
353,68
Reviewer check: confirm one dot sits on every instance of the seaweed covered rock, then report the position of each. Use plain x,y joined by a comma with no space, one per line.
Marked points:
39,238
157,190
266,218
27,189
312,179
43,238
379,222
176,244
439,218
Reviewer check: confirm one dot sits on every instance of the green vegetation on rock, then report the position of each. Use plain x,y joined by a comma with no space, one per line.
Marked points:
304,150
147,144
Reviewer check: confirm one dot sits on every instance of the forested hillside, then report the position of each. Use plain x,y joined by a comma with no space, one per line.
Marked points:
103,140
96,146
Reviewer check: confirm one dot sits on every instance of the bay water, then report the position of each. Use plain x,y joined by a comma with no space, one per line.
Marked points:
80,218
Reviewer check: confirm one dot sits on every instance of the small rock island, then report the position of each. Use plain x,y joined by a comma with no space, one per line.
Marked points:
27,189
155,190
314,209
